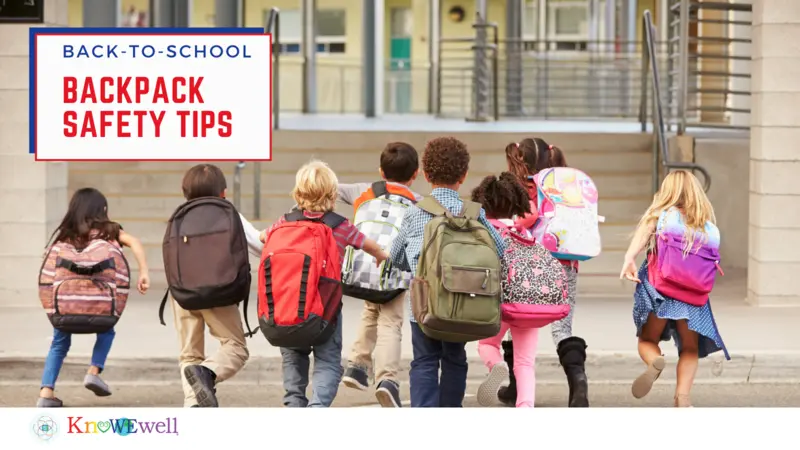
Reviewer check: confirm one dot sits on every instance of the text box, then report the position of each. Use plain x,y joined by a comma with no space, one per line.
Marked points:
151,94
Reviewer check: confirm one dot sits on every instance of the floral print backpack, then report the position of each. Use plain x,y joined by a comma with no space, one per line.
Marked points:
533,282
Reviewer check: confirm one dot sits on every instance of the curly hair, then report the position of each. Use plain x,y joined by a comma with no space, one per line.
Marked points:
445,161
502,198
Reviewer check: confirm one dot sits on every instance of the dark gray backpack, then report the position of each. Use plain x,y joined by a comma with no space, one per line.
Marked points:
205,256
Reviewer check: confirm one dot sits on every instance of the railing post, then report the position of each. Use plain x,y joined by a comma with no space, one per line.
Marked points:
515,10
309,48
645,77
237,184
480,83
496,74
434,55
276,72
683,65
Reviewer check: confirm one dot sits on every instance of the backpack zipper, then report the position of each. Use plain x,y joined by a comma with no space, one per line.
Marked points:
485,280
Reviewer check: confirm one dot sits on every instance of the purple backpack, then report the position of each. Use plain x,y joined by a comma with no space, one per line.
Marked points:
689,277
533,282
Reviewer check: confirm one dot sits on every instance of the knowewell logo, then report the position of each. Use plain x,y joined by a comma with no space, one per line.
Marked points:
122,426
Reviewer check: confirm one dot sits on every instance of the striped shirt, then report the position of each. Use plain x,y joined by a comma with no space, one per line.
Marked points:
407,246
345,234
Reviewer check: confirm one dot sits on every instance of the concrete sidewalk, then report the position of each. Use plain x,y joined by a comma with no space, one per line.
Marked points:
753,335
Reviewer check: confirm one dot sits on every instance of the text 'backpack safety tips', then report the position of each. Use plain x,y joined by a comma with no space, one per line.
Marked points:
84,291
299,281
205,256
568,222
455,296
379,213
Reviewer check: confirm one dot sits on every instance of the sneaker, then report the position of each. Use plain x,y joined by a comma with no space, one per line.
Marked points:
50,402
356,378
487,391
644,382
388,394
201,379
96,385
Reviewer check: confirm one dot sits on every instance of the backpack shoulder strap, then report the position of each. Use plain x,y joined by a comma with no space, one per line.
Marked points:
295,216
379,189
332,220
402,191
471,210
432,206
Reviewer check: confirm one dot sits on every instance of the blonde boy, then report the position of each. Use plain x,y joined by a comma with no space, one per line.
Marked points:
315,194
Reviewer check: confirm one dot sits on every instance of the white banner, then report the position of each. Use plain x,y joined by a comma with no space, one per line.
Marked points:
402,429
151,94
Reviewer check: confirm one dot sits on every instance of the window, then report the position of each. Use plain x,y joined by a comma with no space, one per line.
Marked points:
331,31
564,24
568,25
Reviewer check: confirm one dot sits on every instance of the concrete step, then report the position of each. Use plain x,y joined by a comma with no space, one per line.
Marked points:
609,184
597,276
291,140
609,261
367,160
151,232
122,207
592,285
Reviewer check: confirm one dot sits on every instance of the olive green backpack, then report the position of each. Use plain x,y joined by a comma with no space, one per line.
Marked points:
455,295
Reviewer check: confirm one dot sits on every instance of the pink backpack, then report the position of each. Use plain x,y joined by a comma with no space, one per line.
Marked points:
84,291
533,282
688,278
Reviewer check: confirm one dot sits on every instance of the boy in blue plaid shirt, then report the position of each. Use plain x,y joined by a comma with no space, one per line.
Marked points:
445,163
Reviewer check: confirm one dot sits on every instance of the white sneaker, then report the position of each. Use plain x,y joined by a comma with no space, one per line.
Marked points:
487,391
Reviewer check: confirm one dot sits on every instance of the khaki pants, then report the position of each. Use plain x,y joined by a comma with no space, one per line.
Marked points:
224,324
380,332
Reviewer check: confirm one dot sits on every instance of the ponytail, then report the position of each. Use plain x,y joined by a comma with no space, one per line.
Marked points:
516,161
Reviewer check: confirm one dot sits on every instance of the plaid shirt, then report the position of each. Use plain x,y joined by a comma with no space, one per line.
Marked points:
407,246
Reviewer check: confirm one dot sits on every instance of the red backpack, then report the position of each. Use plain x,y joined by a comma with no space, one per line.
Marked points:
299,281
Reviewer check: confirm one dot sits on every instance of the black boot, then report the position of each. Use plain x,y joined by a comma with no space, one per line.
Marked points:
508,394
572,355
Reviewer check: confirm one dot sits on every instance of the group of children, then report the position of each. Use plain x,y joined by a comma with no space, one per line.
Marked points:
438,374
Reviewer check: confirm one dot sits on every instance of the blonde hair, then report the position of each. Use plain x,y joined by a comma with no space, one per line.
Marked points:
316,187
682,190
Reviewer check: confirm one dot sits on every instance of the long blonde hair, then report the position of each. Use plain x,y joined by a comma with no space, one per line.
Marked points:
316,187
682,190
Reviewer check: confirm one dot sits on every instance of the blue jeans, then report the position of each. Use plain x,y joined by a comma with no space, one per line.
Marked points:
60,347
327,372
427,391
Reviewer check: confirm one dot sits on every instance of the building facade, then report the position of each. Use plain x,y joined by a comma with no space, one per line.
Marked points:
564,30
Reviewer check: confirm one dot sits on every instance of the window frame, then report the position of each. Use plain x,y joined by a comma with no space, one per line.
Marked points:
324,41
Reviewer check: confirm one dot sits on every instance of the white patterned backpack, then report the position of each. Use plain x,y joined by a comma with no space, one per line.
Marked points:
568,222
379,213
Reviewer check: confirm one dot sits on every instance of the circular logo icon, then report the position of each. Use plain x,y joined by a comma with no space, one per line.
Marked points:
123,427
45,428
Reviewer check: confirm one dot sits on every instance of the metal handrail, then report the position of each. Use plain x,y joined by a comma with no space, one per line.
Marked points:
660,148
273,25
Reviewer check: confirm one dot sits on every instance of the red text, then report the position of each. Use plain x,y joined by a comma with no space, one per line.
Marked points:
133,90
112,123
199,123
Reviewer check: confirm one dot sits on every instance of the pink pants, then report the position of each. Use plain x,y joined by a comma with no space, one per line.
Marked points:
525,342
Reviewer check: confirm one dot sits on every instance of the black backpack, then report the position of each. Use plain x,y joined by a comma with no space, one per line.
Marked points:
205,257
